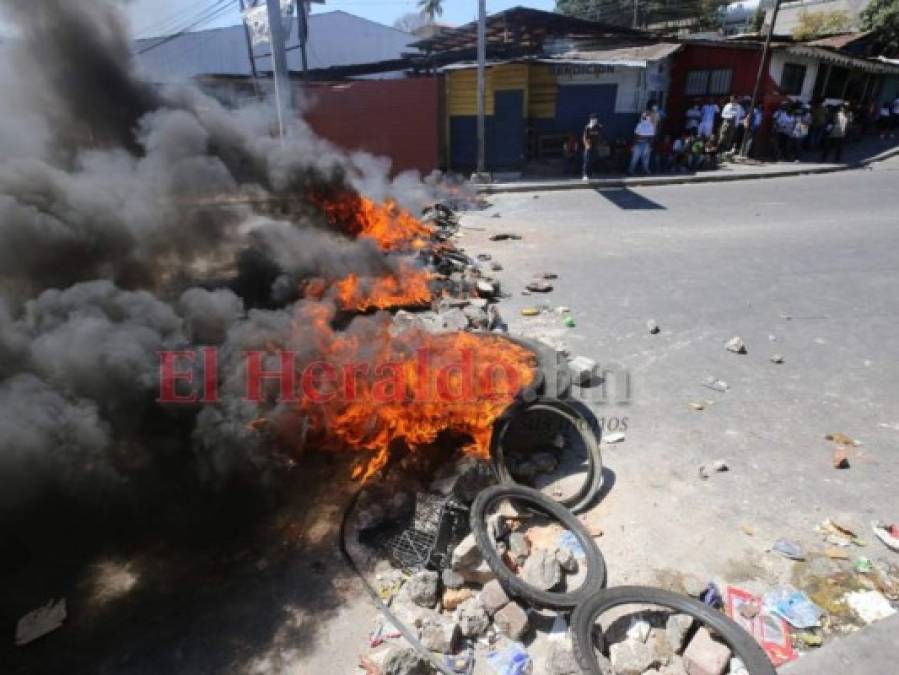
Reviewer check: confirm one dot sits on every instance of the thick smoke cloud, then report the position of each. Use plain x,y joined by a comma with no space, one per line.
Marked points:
135,219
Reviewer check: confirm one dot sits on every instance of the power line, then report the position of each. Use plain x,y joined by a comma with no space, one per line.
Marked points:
216,10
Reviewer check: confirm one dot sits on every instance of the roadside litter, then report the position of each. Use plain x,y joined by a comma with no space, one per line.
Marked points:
771,632
513,660
793,606
788,549
888,534
41,621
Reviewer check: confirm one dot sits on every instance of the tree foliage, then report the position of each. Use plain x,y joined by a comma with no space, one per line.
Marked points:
816,24
648,12
431,8
883,16
411,22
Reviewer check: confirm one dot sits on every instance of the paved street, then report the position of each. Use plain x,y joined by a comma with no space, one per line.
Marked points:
806,267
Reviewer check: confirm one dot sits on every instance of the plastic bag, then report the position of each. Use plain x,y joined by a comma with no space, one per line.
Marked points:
513,660
794,607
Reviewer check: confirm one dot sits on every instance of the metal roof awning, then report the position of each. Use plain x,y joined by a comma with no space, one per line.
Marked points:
844,60
634,57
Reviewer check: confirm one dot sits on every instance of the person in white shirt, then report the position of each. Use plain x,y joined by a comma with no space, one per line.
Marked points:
784,122
642,150
694,115
732,113
709,112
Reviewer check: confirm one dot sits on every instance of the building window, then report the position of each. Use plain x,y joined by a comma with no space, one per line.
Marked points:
708,82
792,79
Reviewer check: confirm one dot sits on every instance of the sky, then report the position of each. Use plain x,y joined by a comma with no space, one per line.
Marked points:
160,17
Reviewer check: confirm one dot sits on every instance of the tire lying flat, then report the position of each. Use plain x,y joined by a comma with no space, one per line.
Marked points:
595,578
585,615
587,493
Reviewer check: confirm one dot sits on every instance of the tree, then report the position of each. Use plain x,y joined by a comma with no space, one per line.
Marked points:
883,16
431,8
648,12
816,24
758,20
412,22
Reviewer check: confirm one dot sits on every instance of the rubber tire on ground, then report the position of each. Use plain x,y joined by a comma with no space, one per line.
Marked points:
584,497
595,578
585,615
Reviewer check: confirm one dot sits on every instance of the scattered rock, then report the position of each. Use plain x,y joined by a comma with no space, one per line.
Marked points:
406,662
705,656
676,628
840,458
472,619
735,345
842,439
541,570
706,470
486,288
468,562
519,547
652,327
493,597
484,256
715,384
583,370
539,286
615,437
477,317
639,630
451,579
560,659
453,319
777,358
503,236
453,597
696,405
422,588
511,621
549,275
439,636
630,657
495,266
566,560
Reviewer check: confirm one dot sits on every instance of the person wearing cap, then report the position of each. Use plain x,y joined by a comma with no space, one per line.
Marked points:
591,138
641,153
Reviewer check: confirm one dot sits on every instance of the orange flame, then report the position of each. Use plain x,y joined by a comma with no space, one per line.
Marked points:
409,287
393,228
408,387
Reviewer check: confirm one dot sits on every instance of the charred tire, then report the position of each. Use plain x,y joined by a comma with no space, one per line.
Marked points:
595,579
741,642
592,485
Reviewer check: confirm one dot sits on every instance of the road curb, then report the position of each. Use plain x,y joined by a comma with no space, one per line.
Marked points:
499,188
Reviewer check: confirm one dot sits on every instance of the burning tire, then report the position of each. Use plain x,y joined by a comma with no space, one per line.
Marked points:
567,413
595,567
585,615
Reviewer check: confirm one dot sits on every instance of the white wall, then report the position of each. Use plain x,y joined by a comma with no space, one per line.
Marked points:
776,67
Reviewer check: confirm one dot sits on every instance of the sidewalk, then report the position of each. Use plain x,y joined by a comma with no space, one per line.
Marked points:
870,651
868,150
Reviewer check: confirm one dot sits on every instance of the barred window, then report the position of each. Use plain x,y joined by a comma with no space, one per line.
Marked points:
708,82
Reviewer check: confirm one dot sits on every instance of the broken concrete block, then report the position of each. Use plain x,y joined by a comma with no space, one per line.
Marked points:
472,619
511,621
422,588
560,659
519,547
652,327
630,657
583,370
453,597
439,636
406,662
451,579
705,656
541,570
676,629
493,597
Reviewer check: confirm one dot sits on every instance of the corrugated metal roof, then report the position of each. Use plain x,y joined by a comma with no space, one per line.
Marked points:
335,39
638,55
838,41
840,59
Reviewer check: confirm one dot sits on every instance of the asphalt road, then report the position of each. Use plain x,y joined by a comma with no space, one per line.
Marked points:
806,267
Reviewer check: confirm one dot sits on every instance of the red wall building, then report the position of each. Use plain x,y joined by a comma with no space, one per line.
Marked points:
716,70
398,119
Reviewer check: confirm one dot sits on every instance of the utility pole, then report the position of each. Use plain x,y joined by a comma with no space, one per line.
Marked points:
482,86
636,13
303,34
758,78
283,94
246,32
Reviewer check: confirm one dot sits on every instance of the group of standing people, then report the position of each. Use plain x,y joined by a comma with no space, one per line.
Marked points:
817,127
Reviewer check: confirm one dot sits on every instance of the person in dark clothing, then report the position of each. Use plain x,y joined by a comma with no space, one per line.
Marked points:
591,138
